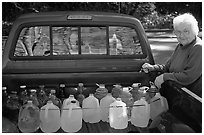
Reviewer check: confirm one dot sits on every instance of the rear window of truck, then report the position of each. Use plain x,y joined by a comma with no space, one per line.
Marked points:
53,41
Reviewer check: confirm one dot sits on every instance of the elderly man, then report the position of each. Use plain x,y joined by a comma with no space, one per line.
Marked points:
185,64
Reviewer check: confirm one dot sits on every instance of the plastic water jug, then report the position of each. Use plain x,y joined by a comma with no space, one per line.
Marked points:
127,98
105,105
56,101
116,90
134,91
68,101
13,101
61,93
33,97
140,113
158,105
143,92
42,97
29,118
118,118
101,91
80,96
4,96
91,109
50,117
71,118
8,126
23,95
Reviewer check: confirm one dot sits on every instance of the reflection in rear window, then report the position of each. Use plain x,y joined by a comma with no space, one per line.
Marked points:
78,40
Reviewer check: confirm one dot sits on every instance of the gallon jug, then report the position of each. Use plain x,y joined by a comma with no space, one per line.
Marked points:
13,101
50,118
101,91
142,91
80,96
91,109
42,97
118,118
134,91
68,101
56,101
105,105
29,118
140,113
116,90
126,97
71,118
158,105
61,94
23,95
33,97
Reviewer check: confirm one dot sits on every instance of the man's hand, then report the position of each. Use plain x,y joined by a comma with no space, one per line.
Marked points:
146,67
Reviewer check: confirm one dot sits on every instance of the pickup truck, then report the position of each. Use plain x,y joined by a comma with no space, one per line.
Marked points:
91,47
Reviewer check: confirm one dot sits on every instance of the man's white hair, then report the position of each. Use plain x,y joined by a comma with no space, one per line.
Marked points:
187,18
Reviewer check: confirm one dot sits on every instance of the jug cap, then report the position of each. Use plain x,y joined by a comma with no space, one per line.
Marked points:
33,90
4,88
71,95
62,85
23,86
52,91
80,84
136,84
29,101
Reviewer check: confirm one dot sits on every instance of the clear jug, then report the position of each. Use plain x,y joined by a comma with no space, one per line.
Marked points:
33,97
42,97
118,117
105,105
71,118
68,101
101,91
80,96
50,118
116,90
23,95
56,101
91,109
29,118
134,91
158,105
140,113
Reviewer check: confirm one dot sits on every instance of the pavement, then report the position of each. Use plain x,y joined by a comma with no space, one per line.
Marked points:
162,45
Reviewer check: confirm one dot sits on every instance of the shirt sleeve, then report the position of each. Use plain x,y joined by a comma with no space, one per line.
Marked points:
192,71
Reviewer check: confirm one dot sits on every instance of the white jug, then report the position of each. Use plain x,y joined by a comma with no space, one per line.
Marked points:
50,117
158,105
91,109
140,113
118,117
104,107
71,118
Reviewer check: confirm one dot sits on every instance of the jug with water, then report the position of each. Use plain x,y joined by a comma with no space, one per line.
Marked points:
105,105
140,113
80,96
116,90
71,118
158,105
33,97
101,91
29,118
134,91
118,117
68,101
56,101
23,95
91,109
42,97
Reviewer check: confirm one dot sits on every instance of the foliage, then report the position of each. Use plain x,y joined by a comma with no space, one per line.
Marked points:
151,14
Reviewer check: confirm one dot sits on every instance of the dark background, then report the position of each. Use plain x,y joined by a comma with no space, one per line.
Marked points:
153,15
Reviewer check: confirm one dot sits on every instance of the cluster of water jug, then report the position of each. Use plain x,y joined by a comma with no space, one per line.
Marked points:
136,104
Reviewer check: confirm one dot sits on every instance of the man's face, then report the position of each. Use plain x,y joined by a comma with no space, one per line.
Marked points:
184,34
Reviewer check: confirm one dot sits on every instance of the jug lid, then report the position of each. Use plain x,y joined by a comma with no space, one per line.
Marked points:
62,85
136,84
80,84
23,86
